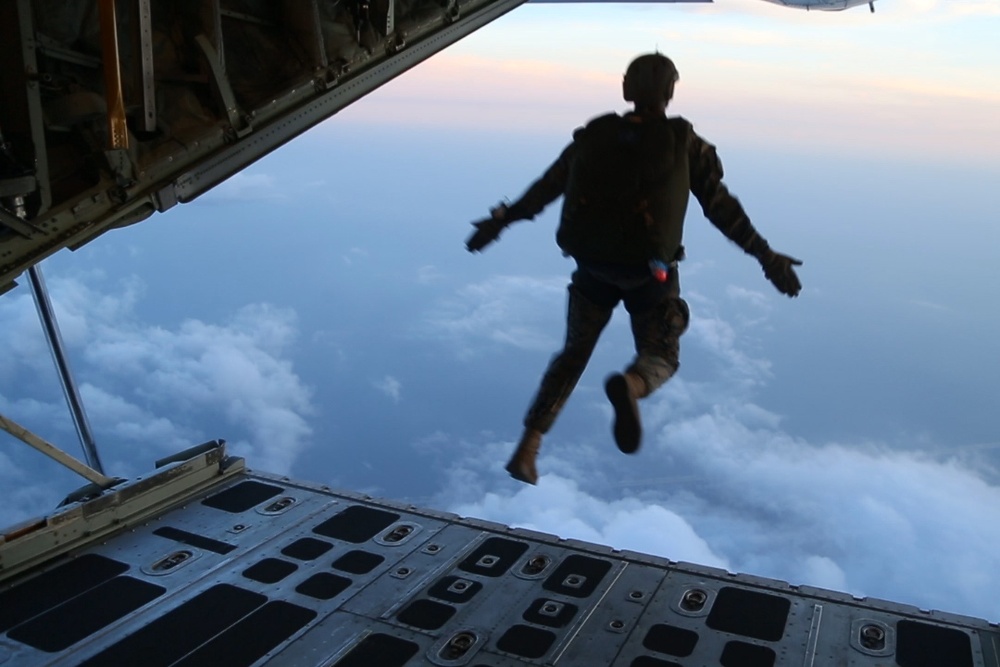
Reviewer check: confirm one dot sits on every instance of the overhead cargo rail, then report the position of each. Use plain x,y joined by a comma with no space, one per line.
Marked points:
112,110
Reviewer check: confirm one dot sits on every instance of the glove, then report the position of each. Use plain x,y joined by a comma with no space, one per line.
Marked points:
778,269
488,230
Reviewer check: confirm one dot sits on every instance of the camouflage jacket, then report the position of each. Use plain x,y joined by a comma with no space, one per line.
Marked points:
721,208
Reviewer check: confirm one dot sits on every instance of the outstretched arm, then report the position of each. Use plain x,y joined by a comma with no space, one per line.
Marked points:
779,269
540,194
725,212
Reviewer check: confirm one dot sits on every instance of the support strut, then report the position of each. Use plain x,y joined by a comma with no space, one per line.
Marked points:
53,452
47,315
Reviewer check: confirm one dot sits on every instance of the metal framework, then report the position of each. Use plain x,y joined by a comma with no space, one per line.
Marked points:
210,564
174,96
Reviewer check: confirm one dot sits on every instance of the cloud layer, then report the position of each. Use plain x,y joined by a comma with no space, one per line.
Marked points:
720,481
500,311
151,390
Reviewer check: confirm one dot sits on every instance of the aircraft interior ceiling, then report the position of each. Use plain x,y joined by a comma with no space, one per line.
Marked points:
111,110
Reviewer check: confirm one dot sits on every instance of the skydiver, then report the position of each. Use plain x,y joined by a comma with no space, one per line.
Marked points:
625,181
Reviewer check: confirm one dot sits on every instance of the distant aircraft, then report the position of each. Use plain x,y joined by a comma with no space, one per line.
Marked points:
826,5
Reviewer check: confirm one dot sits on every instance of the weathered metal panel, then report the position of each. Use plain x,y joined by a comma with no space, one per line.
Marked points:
314,576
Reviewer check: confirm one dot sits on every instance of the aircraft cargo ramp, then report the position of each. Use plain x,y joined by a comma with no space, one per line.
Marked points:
205,563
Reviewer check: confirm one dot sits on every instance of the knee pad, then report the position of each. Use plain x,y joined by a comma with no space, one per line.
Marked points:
658,342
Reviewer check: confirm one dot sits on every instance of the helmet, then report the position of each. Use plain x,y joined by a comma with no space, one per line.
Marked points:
649,79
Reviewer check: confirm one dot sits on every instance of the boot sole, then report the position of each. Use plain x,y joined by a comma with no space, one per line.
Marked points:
520,475
627,428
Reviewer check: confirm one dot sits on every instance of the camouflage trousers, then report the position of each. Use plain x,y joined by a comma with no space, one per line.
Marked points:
658,316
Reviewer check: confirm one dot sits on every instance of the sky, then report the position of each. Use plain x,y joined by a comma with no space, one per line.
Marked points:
320,313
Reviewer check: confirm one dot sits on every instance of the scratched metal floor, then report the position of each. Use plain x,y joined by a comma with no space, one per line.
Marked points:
268,571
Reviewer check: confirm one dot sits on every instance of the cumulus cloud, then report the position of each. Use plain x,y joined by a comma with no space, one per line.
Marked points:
721,481
24,340
560,507
355,255
151,391
514,311
429,274
244,186
233,370
726,341
777,504
389,386
755,298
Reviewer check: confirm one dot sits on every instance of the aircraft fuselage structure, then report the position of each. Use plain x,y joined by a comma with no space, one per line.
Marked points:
111,111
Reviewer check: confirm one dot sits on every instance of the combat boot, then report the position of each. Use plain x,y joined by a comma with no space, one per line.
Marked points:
624,390
522,464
